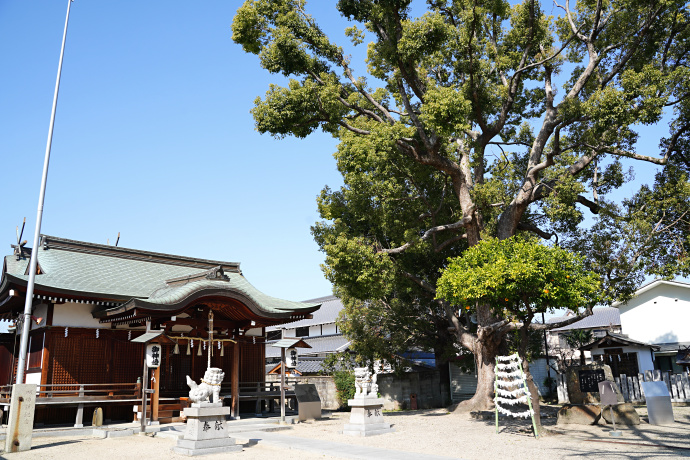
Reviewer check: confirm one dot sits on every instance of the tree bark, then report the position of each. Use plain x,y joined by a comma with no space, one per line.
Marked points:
485,351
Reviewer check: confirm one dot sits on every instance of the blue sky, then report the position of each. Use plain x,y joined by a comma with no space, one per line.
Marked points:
154,139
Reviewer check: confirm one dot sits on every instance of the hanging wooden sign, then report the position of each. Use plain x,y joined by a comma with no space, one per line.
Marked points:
153,355
291,357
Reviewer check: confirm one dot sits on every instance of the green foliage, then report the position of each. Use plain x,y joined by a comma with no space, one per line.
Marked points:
481,120
336,362
519,278
345,386
578,338
532,349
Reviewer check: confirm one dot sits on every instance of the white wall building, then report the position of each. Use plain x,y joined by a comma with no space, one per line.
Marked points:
320,332
659,314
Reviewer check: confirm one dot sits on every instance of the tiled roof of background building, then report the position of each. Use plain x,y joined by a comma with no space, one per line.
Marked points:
330,307
601,317
323,344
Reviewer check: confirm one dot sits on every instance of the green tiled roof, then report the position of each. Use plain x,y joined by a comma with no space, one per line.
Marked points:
100,274
155,279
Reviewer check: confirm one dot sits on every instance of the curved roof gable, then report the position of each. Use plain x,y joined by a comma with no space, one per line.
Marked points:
144,279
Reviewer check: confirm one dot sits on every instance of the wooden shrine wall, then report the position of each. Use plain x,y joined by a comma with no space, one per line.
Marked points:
81,357
7,364
175,368
250,355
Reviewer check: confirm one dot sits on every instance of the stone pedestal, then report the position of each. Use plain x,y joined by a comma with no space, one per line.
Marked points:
366,418
624,414
579,414
207,431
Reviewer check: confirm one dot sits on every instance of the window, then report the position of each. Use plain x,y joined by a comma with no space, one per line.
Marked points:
273,335
302,331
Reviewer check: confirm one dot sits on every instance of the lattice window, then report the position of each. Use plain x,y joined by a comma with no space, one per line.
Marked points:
128,361
252,367
63,365
93,360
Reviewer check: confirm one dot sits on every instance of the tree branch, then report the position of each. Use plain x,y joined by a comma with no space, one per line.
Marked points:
536,230
462,223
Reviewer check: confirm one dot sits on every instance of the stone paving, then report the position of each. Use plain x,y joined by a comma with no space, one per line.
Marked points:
424,434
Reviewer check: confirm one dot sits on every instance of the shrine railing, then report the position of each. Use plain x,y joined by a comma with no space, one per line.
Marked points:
80,392
252,390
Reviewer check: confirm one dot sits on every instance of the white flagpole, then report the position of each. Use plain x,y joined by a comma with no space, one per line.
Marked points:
26,323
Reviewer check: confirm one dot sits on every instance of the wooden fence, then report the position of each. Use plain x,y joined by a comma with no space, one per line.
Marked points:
678,386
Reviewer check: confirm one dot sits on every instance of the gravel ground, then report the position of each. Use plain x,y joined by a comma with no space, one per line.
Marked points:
427,431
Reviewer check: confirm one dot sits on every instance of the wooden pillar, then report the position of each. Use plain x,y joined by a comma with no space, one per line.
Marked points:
45,359
235,381
156,395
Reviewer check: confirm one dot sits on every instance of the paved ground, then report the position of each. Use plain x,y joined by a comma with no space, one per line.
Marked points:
426,434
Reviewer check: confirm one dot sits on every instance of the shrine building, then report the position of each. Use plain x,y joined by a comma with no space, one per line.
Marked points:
91,301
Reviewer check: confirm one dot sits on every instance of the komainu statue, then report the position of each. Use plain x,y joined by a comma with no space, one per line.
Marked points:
209,386
365,382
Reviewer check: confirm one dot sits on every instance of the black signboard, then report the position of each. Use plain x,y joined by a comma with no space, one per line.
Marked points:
589,379
307,393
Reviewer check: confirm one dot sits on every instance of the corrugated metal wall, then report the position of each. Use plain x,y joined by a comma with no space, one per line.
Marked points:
462,385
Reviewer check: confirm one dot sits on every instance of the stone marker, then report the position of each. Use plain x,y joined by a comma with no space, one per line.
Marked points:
583,393
97,419
583,383
308,402
20,423
366,417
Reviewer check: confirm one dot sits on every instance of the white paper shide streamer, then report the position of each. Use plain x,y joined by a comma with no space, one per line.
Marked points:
511,387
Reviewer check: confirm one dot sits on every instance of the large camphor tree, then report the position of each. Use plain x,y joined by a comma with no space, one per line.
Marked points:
483,119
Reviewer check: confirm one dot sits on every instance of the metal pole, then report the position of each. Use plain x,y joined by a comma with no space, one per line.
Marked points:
282,385
26,324
546,349
144,389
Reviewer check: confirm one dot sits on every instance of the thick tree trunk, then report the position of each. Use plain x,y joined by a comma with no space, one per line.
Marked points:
485,354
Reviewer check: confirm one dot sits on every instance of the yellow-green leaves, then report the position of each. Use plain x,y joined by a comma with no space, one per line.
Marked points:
519,277
446,110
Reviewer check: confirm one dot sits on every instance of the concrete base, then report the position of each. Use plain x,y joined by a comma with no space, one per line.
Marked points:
207,431
367,430
209,446
366,418
309,411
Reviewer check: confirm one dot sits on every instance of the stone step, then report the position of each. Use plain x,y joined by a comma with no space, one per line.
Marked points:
263,427
170,419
